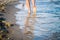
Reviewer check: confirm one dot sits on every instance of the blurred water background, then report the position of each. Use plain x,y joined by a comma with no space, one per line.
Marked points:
47,21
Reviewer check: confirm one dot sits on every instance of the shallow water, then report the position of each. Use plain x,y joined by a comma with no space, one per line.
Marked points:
47,21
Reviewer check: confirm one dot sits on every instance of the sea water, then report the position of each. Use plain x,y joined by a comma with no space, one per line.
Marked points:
47,21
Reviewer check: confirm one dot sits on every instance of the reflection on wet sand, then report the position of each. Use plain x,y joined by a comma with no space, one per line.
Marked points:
29,22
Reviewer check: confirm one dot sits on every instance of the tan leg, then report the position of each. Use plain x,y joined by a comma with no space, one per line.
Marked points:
28,4
34,6
33,2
